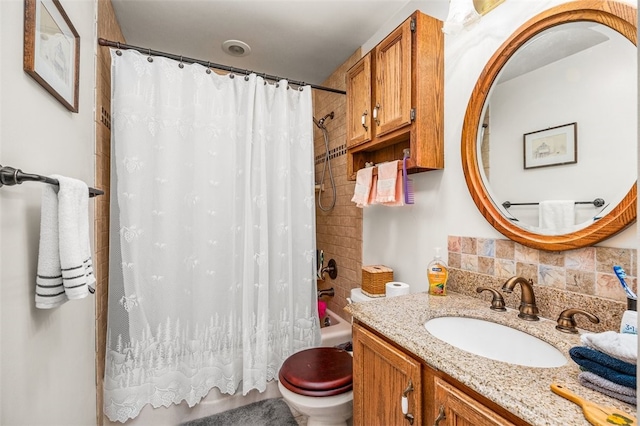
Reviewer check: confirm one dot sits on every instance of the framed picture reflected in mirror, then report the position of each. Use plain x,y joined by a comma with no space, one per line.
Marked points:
554,146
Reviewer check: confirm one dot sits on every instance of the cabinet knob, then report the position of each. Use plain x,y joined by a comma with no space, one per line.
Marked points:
441,416
364,121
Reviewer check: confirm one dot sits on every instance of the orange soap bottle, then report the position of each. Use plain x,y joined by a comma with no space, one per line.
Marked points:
437,273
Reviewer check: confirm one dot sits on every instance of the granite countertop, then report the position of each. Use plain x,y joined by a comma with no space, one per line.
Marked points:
524,391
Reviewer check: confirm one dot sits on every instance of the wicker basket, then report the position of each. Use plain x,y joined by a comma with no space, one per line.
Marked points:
374,279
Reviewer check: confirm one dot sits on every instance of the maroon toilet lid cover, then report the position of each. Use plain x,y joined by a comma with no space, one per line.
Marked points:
318,372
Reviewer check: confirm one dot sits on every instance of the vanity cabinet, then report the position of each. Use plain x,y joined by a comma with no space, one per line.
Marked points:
395,99
382,373
454,407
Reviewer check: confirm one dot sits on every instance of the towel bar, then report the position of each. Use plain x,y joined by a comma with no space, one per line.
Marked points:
598,202
10,176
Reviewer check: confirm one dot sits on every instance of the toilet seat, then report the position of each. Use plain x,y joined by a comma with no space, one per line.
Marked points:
318,372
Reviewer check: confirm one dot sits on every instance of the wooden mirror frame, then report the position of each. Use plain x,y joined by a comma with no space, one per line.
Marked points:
618,16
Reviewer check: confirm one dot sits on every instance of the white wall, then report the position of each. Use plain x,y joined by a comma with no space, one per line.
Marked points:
47,365
405,238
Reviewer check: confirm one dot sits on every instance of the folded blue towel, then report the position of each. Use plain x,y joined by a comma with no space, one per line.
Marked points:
605,366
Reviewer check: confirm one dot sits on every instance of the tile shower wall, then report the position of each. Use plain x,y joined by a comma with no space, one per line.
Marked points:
107,28
339,231
581,278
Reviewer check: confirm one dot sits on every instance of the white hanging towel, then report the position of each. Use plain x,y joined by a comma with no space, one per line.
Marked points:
73,228
557,215
49,288
65,267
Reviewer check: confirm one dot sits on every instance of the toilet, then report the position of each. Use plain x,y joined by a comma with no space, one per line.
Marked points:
318,383
358,296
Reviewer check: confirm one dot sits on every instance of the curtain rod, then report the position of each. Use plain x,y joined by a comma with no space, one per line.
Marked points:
208,64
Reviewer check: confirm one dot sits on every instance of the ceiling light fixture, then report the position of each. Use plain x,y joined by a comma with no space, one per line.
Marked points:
463,13
236,48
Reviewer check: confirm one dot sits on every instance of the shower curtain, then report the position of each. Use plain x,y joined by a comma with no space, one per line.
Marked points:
212,245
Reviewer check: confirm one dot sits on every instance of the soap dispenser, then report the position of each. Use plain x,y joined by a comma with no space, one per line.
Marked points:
437,273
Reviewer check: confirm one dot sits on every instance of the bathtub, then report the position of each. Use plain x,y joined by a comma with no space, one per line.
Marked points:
338,332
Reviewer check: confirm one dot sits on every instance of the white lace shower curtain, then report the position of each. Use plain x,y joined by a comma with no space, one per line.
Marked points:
212,262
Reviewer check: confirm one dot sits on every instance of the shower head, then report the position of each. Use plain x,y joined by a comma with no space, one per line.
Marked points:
320,123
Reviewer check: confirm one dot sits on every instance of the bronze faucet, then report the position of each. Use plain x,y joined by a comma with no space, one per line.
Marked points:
528,309
497,301
566,322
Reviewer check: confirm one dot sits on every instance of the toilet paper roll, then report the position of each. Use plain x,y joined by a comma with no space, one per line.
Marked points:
396,288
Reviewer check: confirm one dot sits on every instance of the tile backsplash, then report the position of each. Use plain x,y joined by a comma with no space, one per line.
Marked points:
580,278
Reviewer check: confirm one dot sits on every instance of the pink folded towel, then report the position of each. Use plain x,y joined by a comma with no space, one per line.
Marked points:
399,201
387,179
374,189
361,193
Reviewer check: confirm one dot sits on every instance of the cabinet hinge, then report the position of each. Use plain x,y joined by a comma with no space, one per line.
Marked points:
412,114
413,25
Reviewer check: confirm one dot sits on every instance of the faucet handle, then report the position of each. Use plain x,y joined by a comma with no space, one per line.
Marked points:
497,302
567,322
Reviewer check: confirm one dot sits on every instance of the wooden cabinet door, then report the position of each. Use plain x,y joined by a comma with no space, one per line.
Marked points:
359,118
392,93
381,374
460,409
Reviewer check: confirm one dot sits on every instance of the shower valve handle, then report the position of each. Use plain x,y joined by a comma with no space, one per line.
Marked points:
364,121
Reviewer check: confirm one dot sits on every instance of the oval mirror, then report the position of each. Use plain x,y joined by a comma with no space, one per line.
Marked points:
551,126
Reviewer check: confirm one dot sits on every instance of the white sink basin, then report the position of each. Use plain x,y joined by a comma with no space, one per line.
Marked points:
495,341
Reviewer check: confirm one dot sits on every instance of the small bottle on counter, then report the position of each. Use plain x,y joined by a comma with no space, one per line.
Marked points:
629,323
437,273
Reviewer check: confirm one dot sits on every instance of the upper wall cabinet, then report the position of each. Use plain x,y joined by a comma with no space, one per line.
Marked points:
395,99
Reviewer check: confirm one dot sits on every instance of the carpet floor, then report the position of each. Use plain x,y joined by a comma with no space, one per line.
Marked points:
269,412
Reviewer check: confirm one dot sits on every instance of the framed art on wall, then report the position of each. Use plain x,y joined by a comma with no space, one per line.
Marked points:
554,146
52,50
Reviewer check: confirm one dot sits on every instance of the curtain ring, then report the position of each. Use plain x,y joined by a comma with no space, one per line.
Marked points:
208,67
118,52
264,77
181,65
246,76
149,58
301,87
